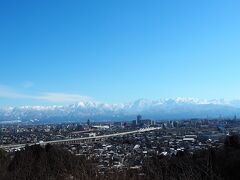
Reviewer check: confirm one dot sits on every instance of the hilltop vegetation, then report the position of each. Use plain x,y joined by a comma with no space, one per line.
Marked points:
53,163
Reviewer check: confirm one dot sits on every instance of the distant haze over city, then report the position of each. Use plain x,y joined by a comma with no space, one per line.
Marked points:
163,109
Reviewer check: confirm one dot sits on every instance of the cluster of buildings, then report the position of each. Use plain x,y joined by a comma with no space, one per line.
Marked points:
23,134
130,150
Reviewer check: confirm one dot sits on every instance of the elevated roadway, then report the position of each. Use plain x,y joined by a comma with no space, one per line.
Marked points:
78,140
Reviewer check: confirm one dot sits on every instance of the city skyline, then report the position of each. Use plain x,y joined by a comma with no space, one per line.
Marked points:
115,52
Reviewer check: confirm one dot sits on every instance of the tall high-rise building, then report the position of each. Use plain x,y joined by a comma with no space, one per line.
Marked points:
88,122
235,117
139,118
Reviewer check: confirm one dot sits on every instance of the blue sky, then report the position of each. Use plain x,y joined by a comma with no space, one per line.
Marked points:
58,52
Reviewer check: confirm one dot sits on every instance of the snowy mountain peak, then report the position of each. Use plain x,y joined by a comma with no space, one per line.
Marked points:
158,109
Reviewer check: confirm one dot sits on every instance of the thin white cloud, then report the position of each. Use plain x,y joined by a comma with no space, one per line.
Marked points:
58,97
61,97
27,84
7,92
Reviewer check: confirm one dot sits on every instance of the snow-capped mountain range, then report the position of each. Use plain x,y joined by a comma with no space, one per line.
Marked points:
179,108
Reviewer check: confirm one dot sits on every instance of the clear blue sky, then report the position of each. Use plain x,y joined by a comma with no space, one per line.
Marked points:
55,52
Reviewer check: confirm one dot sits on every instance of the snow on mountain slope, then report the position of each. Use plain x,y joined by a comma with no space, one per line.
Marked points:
157,109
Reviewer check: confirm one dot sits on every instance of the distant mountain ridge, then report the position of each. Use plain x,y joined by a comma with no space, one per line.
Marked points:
179,108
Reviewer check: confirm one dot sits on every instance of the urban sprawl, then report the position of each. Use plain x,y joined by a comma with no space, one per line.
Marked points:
122,145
